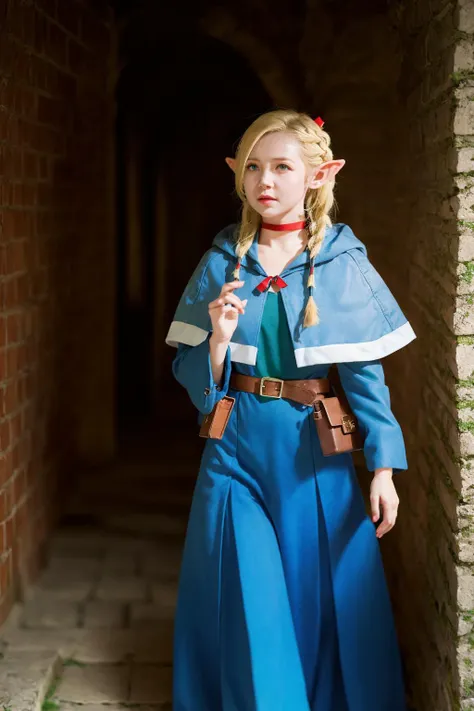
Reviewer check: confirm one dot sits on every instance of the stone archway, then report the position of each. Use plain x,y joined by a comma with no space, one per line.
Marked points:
226,27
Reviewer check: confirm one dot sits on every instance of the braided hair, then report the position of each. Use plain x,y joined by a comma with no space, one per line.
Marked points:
315,144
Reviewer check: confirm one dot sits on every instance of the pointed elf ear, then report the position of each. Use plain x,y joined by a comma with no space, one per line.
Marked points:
326,172
231,162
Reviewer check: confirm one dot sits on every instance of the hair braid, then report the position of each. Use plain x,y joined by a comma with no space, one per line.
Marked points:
248,226
317,208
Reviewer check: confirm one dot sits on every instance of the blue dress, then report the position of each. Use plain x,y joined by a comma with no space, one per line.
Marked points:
282,602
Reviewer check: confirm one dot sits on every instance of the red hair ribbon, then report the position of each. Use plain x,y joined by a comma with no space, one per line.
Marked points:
263,286
319,121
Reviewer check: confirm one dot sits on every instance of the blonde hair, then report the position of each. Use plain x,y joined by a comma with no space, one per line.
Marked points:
315,145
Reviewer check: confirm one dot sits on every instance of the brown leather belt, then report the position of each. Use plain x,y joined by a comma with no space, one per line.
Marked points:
306,392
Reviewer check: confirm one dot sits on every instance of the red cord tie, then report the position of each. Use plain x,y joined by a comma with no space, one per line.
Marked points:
263,286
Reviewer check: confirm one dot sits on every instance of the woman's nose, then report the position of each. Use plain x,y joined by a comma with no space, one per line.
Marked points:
265,178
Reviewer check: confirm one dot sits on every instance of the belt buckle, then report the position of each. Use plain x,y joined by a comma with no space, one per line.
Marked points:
272,380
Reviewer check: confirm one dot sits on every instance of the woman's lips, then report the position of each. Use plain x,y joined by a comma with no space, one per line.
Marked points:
265,198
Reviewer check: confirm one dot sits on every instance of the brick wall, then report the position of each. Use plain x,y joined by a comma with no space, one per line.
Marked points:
434,82
462,206
56,284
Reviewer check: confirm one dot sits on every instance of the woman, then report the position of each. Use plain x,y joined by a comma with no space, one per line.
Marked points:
282,602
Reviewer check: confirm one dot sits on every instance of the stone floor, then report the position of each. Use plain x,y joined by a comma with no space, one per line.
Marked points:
96,630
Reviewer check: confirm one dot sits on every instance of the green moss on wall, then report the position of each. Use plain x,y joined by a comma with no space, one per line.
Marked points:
462,76
466,426
465,404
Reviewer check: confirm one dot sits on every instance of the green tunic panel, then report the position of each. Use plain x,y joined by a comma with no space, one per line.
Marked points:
275,350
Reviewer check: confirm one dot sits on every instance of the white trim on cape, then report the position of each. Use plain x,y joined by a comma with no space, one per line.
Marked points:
353,352
180,332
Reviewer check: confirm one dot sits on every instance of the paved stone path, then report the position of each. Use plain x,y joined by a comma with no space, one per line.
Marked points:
96,631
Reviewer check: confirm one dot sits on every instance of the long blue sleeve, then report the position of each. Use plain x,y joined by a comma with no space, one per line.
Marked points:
192,368
369,398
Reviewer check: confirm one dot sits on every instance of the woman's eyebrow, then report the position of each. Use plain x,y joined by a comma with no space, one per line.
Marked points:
256,160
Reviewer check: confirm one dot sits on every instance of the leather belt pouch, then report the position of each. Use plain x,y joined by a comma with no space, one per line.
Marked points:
337,426
214,424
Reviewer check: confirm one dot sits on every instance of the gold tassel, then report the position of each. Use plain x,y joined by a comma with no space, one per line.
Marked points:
311,281
311,315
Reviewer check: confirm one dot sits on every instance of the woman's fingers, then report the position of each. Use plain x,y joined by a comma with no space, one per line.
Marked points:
228,298
226,310
375,507
231,285
221,307
390,511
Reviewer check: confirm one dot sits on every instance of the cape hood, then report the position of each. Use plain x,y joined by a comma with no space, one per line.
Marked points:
338,239
360,319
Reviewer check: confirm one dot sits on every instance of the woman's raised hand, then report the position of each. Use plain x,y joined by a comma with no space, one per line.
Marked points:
224,311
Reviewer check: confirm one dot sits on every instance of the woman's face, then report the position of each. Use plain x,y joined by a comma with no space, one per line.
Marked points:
276,178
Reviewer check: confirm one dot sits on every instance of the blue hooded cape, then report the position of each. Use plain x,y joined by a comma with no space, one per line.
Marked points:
359,317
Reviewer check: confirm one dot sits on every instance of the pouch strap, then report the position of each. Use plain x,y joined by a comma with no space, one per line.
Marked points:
304,392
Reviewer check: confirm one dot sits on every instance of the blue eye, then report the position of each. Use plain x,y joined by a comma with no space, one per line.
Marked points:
283,165
250,166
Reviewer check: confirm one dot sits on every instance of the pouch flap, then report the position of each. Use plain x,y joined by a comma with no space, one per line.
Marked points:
334,411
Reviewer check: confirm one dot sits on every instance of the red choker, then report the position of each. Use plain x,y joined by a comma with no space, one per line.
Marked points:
288,227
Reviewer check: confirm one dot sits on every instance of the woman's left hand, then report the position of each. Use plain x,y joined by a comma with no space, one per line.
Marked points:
383,494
